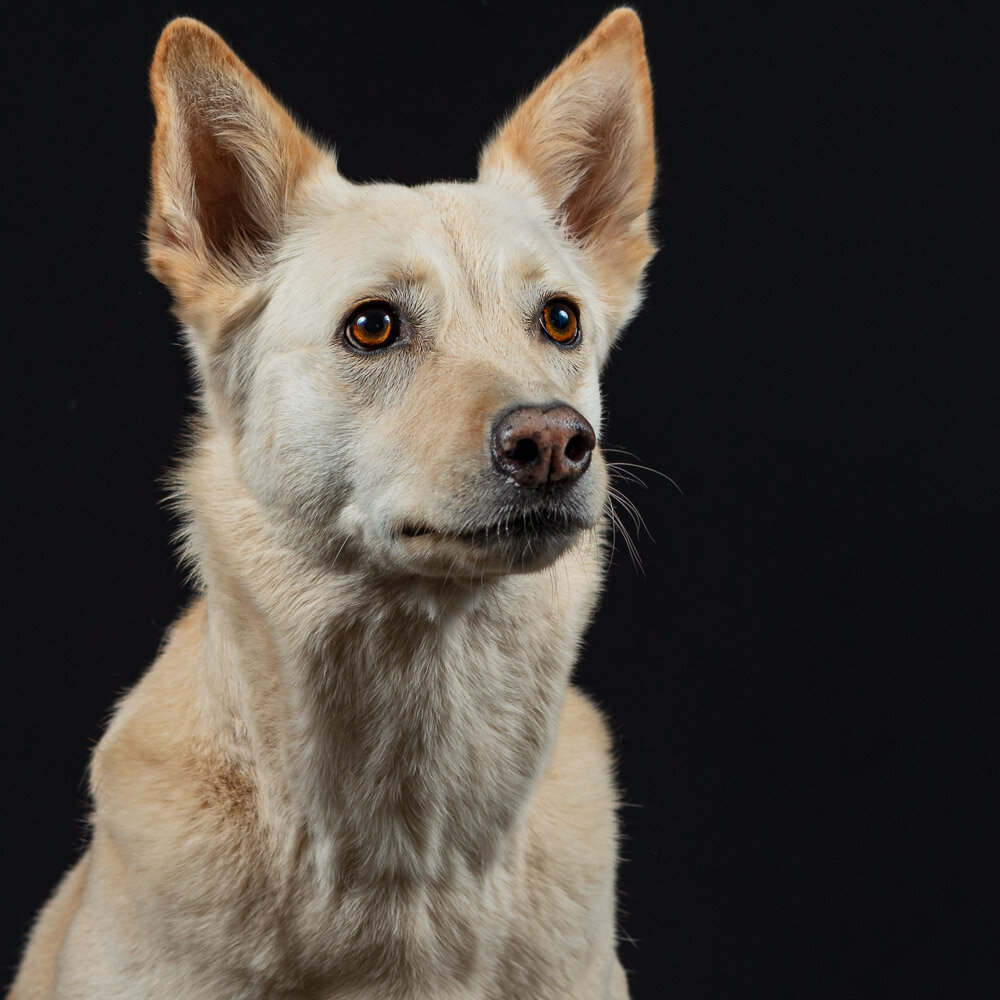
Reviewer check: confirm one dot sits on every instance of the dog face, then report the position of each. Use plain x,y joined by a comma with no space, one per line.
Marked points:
408,375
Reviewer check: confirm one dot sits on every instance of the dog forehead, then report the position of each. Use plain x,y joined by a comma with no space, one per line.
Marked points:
465,234
491,233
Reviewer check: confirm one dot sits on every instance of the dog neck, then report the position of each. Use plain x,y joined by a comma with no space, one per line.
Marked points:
398,725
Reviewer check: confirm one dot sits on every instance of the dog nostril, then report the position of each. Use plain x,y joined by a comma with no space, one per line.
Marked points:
540,447
577,448
524,452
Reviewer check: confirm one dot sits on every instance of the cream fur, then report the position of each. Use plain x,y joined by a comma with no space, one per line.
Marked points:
358,769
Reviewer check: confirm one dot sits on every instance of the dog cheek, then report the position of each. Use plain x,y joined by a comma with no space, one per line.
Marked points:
431,461
399,472
294,454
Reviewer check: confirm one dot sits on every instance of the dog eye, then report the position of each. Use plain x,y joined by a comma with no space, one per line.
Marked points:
373,325
561,322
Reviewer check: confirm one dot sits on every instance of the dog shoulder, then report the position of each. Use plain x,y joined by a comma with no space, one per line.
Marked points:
161,775
566,904
36,975
577,798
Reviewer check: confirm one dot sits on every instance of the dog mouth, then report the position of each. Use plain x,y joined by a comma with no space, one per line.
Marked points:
516,528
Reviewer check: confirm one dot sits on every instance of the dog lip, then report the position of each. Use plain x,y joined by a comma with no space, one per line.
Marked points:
416,530
522,527
531,524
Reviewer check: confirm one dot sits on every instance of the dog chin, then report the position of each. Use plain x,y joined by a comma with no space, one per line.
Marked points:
491,550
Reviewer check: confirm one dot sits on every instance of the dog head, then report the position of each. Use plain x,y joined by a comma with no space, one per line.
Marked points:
407,375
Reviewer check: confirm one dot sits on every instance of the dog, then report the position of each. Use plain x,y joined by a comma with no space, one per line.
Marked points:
357,768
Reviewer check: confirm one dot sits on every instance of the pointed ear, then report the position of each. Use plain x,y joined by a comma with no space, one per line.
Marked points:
226,161
585,138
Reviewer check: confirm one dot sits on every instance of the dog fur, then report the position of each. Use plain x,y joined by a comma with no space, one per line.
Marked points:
357,769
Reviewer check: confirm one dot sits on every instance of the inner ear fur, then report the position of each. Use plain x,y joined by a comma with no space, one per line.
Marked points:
585,138
226,160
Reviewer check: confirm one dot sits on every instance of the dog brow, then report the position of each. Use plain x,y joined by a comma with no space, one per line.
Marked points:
413,270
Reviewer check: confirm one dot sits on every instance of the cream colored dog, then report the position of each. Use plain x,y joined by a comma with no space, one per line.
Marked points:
357,769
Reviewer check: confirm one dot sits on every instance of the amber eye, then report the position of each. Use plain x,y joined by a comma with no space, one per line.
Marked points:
561,322
371,326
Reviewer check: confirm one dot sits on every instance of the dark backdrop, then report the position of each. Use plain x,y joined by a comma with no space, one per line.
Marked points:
799,675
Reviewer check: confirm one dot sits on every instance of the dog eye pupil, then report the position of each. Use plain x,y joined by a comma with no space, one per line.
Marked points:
374,322
561,322
372,326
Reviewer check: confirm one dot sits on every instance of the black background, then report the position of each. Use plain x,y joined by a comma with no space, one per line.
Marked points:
800,677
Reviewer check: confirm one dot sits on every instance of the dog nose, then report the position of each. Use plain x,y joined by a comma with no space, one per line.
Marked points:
543,448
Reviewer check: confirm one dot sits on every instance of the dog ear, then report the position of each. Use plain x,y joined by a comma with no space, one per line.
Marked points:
585,138
226,161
